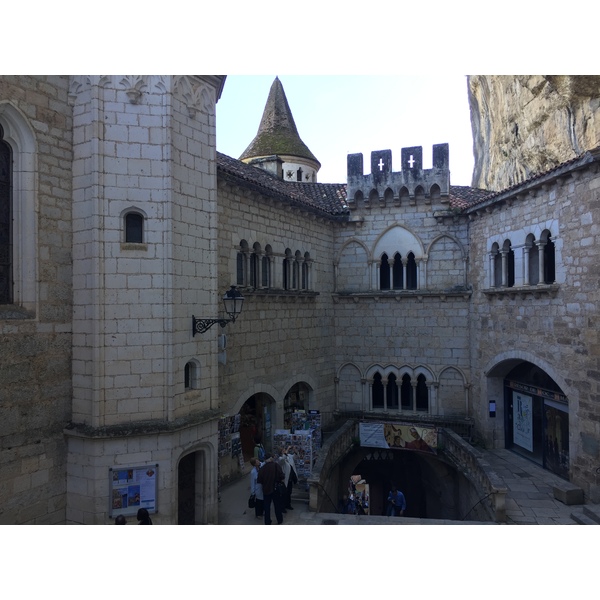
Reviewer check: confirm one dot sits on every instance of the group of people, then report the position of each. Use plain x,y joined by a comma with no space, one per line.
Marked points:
143,517
272,479
352,505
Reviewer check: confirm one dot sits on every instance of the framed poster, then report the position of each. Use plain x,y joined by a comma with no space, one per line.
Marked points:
523,421
132,488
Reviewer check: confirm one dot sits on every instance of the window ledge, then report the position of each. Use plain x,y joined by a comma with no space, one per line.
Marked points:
400,295
12,311
132,246
275,293
537,291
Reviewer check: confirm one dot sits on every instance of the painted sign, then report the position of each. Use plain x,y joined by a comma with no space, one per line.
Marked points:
397,435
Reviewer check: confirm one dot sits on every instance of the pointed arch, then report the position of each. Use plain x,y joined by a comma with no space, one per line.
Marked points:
18,136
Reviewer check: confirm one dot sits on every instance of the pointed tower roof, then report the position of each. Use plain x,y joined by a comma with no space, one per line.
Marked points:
277,133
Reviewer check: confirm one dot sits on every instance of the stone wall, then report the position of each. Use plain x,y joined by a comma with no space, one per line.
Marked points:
415,331
282,337
35,334
552,326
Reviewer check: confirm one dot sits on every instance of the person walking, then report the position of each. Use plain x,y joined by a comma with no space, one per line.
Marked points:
256,489
396,503
269,475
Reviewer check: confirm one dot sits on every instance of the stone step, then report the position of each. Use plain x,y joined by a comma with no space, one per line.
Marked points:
593,512
581,518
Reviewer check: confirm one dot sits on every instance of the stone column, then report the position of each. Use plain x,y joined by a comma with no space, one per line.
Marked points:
492,270
365,391
504,254
541,245
526,265
391,265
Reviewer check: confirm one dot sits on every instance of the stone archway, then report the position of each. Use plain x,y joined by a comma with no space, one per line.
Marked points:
196,498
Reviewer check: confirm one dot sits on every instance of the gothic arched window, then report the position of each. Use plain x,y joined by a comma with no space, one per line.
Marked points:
6,275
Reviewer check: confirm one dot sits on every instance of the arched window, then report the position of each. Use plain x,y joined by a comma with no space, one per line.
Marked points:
398,272
266,271
242,264
299,174
287,275
134,228
296,270
304,275
18,214
6,273
549,258
377,391
190,376
508,256
254,270
497,265
411,272
406,394
392,392
384,273
422,394
534,261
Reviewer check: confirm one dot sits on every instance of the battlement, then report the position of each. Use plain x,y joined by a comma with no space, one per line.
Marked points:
383,185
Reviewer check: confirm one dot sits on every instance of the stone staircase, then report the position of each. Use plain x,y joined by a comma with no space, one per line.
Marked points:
588,514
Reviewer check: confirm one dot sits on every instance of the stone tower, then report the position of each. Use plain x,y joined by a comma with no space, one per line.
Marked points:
277,147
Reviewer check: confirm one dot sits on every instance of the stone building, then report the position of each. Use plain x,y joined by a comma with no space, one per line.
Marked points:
394,295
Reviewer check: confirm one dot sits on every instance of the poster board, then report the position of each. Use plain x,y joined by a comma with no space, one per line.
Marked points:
132,488
301,446
398,435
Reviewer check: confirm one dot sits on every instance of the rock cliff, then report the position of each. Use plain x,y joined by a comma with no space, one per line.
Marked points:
527,124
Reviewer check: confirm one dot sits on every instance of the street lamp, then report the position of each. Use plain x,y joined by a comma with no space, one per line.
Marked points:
233,301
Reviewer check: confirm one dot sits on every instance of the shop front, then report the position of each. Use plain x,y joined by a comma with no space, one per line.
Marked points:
537,419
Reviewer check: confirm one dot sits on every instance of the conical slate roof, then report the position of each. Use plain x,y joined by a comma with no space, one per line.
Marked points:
277,133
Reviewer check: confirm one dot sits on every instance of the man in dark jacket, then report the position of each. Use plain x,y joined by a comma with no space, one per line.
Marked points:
269,475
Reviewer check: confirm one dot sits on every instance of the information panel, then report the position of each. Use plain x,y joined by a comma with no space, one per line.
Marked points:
523,421
132,488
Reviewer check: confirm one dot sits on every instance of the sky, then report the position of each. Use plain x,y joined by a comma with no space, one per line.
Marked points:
337,115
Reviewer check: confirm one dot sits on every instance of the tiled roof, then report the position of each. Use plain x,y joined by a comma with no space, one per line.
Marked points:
277,132
327,199
463,196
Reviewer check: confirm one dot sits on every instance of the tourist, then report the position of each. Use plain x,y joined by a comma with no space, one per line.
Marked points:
396,503
269,475
143,517
256,489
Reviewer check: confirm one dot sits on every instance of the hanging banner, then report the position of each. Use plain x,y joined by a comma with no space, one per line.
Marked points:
523,421
396,435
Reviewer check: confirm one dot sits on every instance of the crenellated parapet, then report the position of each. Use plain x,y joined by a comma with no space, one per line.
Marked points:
411,183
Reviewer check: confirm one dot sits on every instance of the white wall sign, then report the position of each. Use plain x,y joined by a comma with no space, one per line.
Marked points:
523,421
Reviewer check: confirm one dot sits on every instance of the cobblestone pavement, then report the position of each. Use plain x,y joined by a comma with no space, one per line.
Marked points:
529,500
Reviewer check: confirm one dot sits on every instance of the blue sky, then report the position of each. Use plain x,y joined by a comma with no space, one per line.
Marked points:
341,114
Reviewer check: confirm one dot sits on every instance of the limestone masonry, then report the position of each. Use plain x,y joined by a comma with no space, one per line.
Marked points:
393,296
